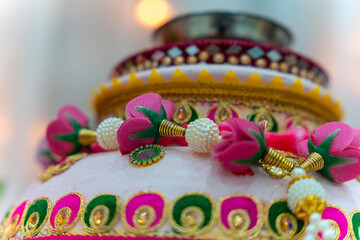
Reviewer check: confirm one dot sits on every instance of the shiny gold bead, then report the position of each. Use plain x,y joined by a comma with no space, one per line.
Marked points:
303,73
179,60
237,221
182,114
61,217
260,63
233,60
245,59
203,56
143,217
274,65
132,69
317,80
139,67
284,224
166,61
191,60
98,217
284,67
218,58
154,64
295,70
33,219
310,75
191,219
147,64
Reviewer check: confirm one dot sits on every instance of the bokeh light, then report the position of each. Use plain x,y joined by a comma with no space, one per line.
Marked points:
5,129
152,12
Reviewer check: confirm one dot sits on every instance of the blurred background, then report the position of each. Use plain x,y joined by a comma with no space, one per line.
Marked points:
55,52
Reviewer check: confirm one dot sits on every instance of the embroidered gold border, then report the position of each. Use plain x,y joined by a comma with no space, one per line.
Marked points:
249,234
187,232
36,231
205,87
268,227
103,229
70,226
142,231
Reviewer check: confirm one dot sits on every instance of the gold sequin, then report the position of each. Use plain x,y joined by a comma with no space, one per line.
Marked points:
191,60
233,60
179,60
284,67
260,63
166,61
245,59
203,56
218,58
274,65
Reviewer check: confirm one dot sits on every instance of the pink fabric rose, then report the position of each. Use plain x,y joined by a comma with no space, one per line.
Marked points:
288,140
242,143
44,156
338,144
62,133
145,112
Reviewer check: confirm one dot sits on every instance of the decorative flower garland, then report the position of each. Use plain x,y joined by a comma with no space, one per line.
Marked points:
332,149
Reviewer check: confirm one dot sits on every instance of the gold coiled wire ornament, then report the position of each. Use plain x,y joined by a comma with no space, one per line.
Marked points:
279,164
170,129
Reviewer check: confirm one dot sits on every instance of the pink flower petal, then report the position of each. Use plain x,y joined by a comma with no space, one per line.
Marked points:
238,151
131,126
224,126
286,141
149,100
349,171
356,141
44,160
342,140
75,113
242,127
169,108
302,149
95,148
226,135
59,127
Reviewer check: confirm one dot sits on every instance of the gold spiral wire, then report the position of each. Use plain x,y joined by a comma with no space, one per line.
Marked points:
170,129
278,159
313,163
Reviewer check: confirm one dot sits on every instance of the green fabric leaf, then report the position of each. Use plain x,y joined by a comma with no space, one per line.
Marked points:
155,119
258,156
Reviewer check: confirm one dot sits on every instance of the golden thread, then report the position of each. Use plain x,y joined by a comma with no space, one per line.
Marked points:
277,159
313,163
295,179
283,99
309,205
170,129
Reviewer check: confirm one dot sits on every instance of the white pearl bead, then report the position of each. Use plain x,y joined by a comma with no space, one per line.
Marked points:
311,229
323,225
106,133
315,218
309,237
297,172
202,134
303,188
329,234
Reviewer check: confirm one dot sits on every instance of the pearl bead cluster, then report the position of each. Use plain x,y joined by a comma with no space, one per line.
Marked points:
318,225
202,134
106,133
302,188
